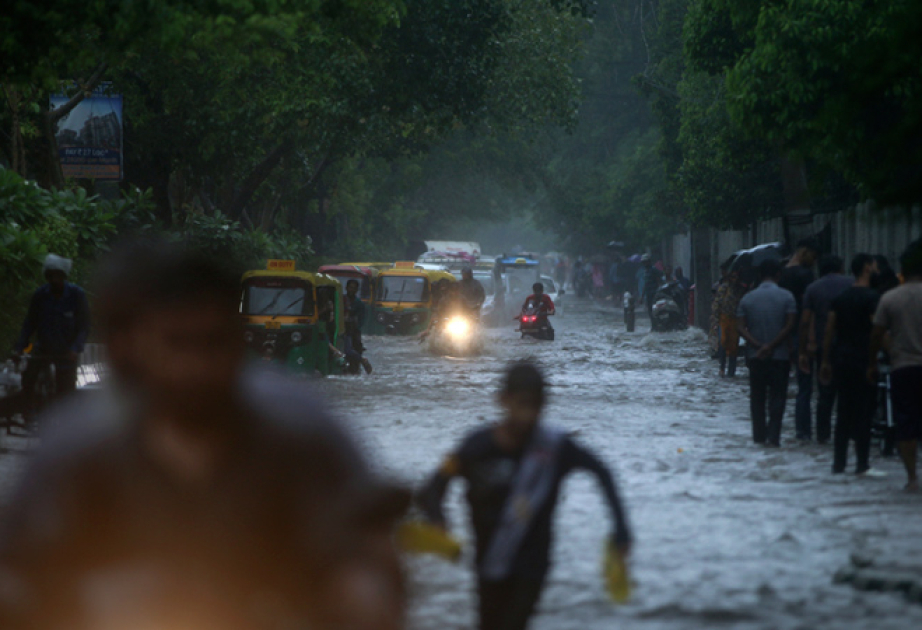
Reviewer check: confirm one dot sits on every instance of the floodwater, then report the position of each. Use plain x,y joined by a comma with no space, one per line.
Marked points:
727,534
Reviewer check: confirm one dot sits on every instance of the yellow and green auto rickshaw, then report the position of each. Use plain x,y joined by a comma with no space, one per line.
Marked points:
404,299
293,318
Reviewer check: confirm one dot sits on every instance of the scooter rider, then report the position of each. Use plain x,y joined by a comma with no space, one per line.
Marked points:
471,291
540,296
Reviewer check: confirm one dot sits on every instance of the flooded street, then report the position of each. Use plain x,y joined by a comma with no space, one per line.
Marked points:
727,534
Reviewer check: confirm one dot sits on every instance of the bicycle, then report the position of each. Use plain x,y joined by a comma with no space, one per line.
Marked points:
882,426
20,409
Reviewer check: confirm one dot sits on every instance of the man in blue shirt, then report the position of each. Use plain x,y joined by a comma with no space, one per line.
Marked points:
59,321
766,318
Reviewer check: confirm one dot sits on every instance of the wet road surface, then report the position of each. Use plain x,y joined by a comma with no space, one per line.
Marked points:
727,534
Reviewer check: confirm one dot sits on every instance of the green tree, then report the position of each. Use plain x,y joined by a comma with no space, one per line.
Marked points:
45,42
839,82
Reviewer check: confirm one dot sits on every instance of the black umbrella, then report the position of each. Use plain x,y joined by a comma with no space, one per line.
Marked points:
746,261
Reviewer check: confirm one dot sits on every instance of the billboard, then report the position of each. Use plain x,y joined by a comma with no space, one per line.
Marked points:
90,137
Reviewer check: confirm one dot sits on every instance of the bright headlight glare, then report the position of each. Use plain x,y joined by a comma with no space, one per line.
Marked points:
458,327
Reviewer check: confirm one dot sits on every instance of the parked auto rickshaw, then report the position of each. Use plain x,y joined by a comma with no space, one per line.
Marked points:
366,277
293,318
404,299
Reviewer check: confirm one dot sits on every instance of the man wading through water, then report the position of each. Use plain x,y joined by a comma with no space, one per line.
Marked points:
513,472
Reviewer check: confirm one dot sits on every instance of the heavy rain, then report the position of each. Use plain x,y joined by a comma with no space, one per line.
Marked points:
416,315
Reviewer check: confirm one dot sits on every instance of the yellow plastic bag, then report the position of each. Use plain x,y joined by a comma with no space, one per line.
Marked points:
617,577
422,537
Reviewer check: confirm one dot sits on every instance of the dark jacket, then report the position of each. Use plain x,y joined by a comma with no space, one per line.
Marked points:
60,325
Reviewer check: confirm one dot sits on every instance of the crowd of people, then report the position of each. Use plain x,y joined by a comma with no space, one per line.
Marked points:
610,278
838,332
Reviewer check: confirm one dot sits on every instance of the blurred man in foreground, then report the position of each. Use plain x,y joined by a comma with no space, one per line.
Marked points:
513,472
191,491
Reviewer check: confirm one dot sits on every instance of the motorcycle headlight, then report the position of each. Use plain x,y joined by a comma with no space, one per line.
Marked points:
296,337
248,336
458,327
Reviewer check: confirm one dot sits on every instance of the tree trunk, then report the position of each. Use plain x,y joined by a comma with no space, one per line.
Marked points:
17,153
798,217
256,177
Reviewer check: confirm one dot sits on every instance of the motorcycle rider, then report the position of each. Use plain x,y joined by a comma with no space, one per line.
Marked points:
471,291
652,280
450,304
59,319
545,305
539,296
191,483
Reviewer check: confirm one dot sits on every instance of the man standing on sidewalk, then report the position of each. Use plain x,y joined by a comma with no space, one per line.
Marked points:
766,317
796,277
845,355
817,300
900,313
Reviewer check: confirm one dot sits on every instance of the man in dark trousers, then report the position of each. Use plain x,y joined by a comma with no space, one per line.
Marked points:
513,472
845,358
812,325
766,317
59,321
355,319
796,277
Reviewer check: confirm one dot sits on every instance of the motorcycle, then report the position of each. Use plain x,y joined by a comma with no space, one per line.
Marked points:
19,409
533,322
668,309
456,335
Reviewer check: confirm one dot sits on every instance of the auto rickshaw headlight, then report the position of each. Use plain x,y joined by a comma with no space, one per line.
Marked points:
415,318
381,318
248,336
295,337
